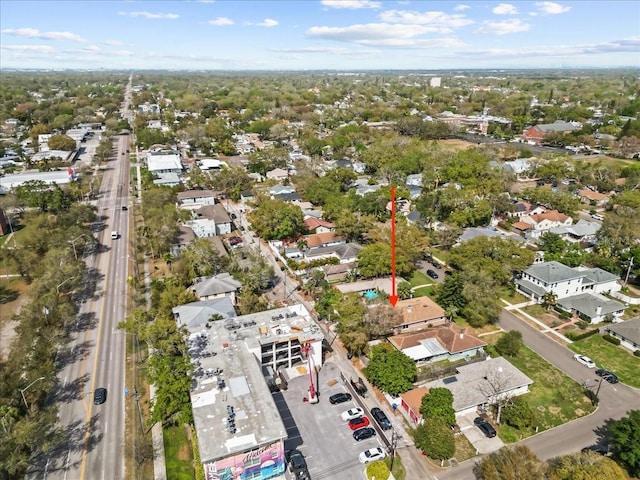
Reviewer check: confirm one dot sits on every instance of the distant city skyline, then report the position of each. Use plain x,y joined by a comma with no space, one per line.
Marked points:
318,35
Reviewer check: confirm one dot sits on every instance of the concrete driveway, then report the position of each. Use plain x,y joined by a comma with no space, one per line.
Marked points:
478,439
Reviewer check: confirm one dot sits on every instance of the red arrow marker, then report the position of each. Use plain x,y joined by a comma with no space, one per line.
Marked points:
393,298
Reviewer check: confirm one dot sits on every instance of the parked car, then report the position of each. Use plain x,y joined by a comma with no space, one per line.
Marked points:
432,273
372,455
485,427
100,396
352,413
359,387
356,423
363,433
381,418
436,264
339,398
607,375
584,360
298,465
233,216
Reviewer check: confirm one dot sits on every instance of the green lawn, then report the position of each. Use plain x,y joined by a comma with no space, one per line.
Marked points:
557,398
398,471
615,358
177,452
424,292
419,278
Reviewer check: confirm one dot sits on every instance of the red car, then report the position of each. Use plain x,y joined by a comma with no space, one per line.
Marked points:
359,422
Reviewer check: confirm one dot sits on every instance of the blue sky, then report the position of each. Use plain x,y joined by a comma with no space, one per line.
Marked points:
318,34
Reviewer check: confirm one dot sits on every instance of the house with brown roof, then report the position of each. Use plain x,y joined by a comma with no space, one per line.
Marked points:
592,198
543,222
318,225
445,342
323,239
522,208
537,133
410,403
418,313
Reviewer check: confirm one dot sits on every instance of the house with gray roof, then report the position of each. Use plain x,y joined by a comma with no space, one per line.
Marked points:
627,332
216,286
582,231
196,315
210,220
578,290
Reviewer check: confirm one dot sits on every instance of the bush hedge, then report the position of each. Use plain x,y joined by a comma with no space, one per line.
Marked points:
611,339
575,336
636,353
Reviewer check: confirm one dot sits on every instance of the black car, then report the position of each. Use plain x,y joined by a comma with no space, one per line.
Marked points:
381,418
432,273
436,264
607,375
233,216
339,398
100,396
363,433
485,426
124,208
296,461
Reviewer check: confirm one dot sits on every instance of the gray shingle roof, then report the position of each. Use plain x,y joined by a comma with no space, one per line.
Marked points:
552,272
215,285
630,330
588,303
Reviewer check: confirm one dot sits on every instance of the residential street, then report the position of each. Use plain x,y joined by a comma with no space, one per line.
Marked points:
615,401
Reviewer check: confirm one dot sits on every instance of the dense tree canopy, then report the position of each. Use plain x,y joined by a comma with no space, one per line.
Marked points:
277,220
390,370
625,440
438,403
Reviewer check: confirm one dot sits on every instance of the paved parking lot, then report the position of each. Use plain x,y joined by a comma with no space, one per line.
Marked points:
318,431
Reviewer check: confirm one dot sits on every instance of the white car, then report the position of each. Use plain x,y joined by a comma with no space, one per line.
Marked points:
586,361
351,414
372,455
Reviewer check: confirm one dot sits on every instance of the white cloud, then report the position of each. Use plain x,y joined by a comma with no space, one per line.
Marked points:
439,21
113,43
150,15
29,48
383,34
552,8
462,7
504,27
505,9
221,21
35,33
351,4
268,22
322,50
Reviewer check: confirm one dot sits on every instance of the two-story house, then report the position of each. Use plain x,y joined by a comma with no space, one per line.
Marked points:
535,225
216,286
196,198
578,290
210,220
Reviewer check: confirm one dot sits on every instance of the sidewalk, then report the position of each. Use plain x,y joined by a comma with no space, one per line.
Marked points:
543,328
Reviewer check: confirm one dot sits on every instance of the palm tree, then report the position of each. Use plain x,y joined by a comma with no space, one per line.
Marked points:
549,300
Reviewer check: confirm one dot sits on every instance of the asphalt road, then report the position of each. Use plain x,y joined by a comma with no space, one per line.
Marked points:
615,401
93,440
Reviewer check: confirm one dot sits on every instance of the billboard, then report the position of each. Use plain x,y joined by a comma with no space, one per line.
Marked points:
265,462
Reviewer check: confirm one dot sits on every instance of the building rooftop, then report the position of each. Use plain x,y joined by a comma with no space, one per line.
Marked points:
553,272
233,346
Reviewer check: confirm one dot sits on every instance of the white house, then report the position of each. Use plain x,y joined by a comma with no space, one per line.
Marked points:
627,332
209,221
158,162
578,290
543,222
196,198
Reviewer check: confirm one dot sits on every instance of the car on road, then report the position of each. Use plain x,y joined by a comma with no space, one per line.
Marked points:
352,413
432,273
363,433
115,235
233,216
607,375
485,427
360,422
100,396
584,360
339,398
124,208
381,418
372,455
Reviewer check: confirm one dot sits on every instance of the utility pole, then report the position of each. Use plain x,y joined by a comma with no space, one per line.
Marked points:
394,445
626,278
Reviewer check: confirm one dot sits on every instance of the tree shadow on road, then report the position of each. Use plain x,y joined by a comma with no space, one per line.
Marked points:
72,390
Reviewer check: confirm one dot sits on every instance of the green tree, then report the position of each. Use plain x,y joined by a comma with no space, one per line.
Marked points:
438,403
511,463
61,142
450,293
390,370
509,344
625,440
436,439
277,220
350,312
584,466
549,300
519,414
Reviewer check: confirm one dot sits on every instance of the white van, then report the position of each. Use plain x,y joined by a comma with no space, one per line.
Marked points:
114,235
